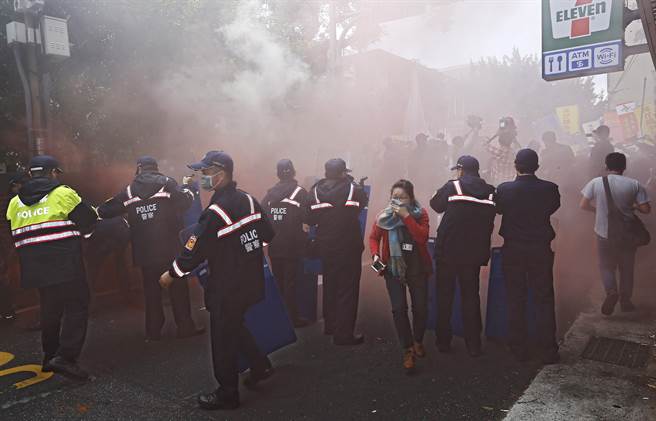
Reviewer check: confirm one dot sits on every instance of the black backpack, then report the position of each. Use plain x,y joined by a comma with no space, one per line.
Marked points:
624,231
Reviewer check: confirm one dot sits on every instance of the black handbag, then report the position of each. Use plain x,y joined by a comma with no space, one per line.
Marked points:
624,231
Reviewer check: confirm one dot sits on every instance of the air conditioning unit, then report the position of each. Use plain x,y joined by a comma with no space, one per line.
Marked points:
33,6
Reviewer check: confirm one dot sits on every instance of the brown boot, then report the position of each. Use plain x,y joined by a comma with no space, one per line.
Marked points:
419,350
409,360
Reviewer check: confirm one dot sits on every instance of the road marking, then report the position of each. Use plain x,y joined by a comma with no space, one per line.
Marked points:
38,376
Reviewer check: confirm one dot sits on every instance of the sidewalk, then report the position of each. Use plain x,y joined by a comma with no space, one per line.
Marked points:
583,389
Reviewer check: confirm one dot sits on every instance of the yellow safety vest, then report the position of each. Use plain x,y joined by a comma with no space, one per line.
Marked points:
44,221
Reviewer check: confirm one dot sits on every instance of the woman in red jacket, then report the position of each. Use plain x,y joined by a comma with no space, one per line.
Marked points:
399,240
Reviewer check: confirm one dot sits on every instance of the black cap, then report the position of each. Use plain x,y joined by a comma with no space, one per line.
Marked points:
467,163
335,168
214,159
528,159
147,162
285,168
43,162
603,131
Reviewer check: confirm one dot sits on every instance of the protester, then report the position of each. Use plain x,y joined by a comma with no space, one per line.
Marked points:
502,151
600,149
398,240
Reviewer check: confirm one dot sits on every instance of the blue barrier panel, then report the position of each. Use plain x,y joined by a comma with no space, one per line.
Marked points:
496,319
457,326
268,320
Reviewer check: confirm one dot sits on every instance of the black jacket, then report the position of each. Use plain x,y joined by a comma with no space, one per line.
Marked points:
463,237
335,206
154,205
527,205
55,262
230,235
286,204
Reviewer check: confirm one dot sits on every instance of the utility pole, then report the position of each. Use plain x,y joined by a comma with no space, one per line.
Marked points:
36,41
38,126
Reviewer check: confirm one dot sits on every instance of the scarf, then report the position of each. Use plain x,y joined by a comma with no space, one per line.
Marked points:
393,224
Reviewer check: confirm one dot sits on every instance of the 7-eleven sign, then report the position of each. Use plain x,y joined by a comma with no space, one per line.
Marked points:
579,18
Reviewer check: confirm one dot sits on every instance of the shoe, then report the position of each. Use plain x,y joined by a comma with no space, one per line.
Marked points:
409,360
218,400
550,358
67,368
354,340
301,323
520,354
45,366
153,338
183,334
419,350
608,306
444,348
256,376
8,317
627,306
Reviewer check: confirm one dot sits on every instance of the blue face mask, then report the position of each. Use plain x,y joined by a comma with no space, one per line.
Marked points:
206,182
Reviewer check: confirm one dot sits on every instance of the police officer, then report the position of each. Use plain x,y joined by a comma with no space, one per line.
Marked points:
286,204
230,236
48,220
335,205
526,205
462,246
154,204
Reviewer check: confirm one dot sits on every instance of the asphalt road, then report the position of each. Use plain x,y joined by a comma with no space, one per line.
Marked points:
314,380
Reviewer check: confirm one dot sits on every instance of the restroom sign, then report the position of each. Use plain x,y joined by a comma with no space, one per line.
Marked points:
581,38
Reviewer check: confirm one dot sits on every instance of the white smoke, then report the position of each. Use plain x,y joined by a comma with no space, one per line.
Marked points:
272,69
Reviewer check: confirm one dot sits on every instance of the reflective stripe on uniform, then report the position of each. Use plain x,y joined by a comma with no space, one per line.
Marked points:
291,202
293,196
471,199
349,200
321,206
42,225
460,197
45,238
130,201
252,203
221,213
161,194
177,269
231,228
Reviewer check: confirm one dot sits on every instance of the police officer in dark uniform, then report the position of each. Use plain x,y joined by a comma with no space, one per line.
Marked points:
527,205
230,235
154,205
48,221
335,205
462,246
286,204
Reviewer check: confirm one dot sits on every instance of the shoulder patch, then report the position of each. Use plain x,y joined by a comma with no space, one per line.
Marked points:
191,242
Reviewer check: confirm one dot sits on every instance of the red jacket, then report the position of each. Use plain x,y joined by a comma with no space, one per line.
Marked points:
418,230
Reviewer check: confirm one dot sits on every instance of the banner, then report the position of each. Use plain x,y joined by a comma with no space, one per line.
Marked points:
569,118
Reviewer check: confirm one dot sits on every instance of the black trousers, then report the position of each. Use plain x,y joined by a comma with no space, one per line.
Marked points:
341,290
286,270
527,266
64,318
230,338
179,294
468,278
6,306
418,286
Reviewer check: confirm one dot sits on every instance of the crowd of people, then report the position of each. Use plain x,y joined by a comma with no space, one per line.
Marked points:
49,221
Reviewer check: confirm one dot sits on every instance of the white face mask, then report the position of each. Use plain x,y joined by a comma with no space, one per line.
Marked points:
207,182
